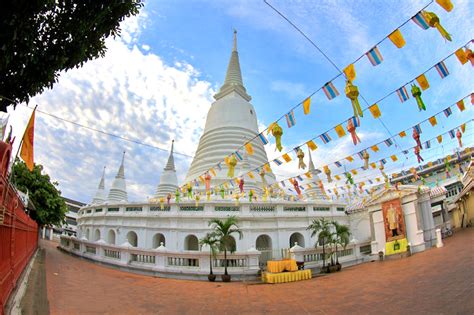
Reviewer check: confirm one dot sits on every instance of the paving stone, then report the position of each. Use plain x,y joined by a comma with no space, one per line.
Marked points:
437,281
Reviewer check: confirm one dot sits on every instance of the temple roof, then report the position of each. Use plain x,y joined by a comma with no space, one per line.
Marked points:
100,194
233,78
118,191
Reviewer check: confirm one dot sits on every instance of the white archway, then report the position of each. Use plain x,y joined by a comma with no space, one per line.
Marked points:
191,243
111,237
296,238
263,242
132,238
158,238
97,235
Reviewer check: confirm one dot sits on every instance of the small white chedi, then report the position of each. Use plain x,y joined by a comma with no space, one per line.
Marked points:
167,232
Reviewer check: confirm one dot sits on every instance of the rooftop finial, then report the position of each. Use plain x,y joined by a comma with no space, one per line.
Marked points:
235,40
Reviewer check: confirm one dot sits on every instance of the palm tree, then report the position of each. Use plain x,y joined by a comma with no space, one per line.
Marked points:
211,241
223,230
341,236
322,228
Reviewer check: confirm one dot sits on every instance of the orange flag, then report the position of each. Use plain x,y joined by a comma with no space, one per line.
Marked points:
26,152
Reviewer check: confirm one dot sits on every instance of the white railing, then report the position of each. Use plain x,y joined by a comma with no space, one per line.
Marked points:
313,257
161,260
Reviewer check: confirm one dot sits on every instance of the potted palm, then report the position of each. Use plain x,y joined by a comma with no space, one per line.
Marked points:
223,230
341,237
211,241
321,228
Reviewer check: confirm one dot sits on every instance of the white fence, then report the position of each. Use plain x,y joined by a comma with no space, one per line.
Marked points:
186,264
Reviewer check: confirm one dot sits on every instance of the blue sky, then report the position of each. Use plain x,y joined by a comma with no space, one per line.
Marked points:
156,84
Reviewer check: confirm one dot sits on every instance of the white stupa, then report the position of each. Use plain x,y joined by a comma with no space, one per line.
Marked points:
100,194
168,180
314,192
231,121
118,191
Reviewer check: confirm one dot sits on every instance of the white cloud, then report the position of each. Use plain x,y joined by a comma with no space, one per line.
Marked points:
127,93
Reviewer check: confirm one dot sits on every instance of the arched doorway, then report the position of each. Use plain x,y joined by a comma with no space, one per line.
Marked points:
132,238
111,237
158,238
191,243
263,242
296,238
97,235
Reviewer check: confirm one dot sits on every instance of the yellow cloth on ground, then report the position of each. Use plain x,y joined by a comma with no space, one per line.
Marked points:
281,265
393,248
284,277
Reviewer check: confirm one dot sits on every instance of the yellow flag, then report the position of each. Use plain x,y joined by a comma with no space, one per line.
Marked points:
445,4
373,165
267,168
340,131
286,157
306,105
226,185
201,179
250,174
308,174
439,138
375,148
312,145
461,105
378,179
308,186
397,38
463,127
350,158
423,82
394,158
354,172
27,150
375,111
461,55
394,175
433,121
213,172
337,177
249,148
269,129
402,134
350,72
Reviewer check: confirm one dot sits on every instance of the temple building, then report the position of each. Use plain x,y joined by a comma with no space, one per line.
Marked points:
161,235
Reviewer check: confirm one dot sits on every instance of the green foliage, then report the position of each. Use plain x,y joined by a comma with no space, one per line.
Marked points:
322,228
340,236
38,39
223,230
211,241
50,207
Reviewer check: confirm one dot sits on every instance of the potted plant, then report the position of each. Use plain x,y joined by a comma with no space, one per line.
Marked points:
321,228
211,241
341,237
223,230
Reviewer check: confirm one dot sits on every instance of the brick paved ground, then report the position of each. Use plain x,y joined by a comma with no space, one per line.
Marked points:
438,281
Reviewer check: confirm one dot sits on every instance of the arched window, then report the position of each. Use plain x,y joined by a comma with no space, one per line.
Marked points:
263,242
111,237
97,235
132,238
296,238
191,243
158,238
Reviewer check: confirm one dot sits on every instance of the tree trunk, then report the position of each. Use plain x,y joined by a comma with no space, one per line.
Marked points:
324,256
210,263
225,261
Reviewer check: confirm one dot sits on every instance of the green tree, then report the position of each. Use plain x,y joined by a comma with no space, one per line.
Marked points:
322,228
211,241
38,39
223,231
50,207
341,236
